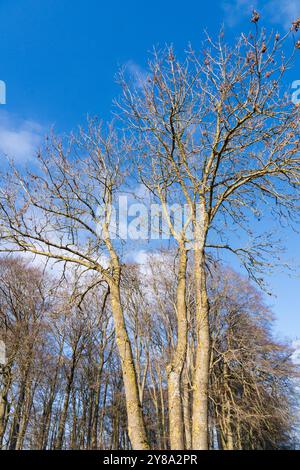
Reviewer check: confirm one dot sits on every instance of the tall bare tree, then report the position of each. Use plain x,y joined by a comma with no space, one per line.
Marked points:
62,211
219,128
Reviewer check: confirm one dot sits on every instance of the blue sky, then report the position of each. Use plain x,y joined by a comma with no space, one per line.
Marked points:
59,59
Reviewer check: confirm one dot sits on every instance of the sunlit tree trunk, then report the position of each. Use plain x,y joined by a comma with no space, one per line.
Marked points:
176,424
136,427
201,373
187,412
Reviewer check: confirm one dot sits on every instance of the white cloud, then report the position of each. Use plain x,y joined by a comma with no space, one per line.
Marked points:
138,257
237,10
19,139
137,74
296,353
281,12
142,193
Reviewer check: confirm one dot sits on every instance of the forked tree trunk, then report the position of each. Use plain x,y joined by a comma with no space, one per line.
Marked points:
136,426
176,424
201,374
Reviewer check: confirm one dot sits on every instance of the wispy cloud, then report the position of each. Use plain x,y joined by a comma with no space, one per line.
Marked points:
19,139
280,12
137,74
283,11
296,353
237,10
138,256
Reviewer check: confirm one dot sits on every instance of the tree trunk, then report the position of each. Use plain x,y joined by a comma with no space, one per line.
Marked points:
64,414
46,418
103,413
227,410
3,416
176,425
187,413
201,375
14,432
136,426
25,418
63,419
97,403
4,404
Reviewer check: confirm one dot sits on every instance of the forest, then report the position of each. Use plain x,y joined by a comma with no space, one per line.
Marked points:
64,386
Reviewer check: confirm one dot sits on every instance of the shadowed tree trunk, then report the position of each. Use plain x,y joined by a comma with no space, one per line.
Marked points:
63,417
23,392
4,404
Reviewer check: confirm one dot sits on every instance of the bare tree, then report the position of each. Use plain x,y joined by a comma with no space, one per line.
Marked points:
218,128
251,373
62,211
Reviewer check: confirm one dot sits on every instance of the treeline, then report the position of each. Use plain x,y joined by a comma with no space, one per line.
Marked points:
63,386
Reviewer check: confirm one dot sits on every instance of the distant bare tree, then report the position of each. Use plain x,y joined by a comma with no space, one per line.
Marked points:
251,374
